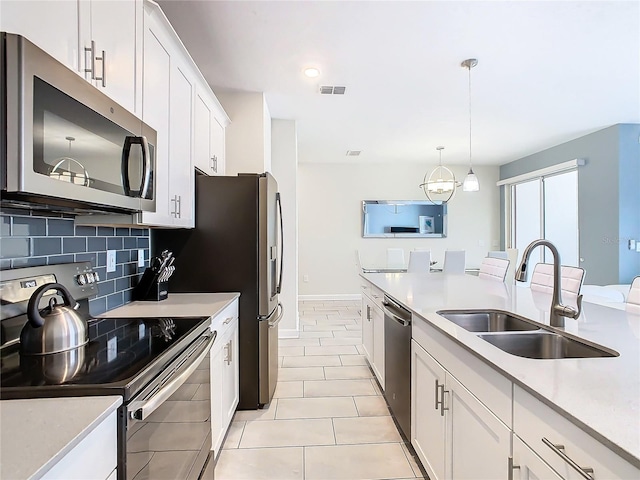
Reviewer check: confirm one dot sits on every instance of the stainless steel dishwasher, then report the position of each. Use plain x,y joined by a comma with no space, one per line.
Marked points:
397,366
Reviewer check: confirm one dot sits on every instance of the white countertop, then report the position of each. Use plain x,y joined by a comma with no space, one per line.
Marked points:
600,395
175,305
37,433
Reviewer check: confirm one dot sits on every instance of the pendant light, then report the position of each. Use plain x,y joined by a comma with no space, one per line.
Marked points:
441,184
470,183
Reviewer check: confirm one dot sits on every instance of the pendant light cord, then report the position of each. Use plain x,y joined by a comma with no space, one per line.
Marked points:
470,162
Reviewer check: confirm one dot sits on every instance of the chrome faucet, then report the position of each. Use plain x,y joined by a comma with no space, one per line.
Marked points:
558,311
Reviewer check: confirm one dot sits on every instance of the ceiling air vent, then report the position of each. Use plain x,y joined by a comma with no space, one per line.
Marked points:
353,153
332,90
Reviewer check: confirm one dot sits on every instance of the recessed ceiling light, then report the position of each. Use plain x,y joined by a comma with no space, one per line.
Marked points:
311,72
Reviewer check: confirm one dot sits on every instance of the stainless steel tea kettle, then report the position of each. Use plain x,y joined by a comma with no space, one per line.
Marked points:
56,328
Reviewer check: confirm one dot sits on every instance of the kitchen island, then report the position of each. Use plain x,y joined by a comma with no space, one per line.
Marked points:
69,437
600,396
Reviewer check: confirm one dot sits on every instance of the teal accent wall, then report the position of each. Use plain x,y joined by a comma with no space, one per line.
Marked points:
608,198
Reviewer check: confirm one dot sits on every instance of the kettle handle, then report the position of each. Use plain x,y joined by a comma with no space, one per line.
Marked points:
33,314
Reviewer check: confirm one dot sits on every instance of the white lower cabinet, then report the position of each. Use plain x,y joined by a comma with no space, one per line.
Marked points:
479,443
453,433
428,426
224,374
94,458
527,465
566,448
372,319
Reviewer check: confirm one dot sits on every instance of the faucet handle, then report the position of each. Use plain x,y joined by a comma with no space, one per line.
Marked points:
569,312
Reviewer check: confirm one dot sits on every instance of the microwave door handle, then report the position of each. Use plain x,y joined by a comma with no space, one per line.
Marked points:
279,201
124,164
146,168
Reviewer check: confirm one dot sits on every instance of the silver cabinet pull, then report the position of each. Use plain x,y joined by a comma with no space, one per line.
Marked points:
103,60
227,320
92,62
585,472
174,200
440,401
369,312
512,467
179,206
214,163
228,347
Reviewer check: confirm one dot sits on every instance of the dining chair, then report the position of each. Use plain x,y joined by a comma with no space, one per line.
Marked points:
498,254
633,298
419,261
493,268
395,258
454,261
570,278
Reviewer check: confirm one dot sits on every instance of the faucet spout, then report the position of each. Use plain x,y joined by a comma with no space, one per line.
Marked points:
558,310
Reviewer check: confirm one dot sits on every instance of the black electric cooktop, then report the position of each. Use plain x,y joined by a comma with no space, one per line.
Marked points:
122,355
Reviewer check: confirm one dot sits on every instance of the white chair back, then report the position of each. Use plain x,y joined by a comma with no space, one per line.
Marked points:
454,261
498,254
570,281
395,258
633,298
493,268
419,261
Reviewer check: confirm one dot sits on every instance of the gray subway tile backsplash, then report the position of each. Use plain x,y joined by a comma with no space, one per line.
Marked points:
31,238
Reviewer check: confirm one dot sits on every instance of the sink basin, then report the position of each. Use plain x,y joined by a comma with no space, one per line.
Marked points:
546,345
487,320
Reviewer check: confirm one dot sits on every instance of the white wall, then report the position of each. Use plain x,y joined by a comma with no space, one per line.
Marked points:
248,137
329,220
284,163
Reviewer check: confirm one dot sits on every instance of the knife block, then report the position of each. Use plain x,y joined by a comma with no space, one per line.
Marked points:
150,288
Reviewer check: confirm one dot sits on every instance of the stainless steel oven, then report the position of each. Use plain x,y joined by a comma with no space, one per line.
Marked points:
64,142
160,366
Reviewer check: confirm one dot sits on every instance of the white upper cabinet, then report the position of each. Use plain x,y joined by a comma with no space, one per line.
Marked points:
56,30
209,136
168,108
98,39
110,47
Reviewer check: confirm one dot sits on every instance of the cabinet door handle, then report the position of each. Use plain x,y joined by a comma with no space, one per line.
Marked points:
512,467
103,60
440,402
229,353
227,320
179,206
369,313
92,62
174,212
214,163
585,472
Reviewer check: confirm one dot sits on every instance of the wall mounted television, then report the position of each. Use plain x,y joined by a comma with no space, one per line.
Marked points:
404,219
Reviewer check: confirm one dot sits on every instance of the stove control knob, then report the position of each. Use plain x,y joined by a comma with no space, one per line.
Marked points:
96,277
90,277
81,279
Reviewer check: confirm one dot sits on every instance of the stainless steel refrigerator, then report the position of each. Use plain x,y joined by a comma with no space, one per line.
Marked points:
236,246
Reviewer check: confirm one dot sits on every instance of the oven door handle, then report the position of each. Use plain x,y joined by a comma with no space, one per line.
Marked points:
148,406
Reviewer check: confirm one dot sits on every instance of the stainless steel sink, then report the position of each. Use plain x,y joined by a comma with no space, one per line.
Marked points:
487,320
546,345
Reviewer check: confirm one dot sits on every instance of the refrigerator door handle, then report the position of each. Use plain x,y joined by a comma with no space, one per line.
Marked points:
279,202
275,323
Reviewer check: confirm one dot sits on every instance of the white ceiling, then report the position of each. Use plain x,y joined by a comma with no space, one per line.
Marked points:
548,72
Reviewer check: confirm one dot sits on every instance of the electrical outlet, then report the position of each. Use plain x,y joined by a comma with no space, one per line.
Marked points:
141,257
305,278
112,349
111,260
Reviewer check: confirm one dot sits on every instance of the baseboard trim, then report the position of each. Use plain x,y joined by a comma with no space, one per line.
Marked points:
335,296
288,333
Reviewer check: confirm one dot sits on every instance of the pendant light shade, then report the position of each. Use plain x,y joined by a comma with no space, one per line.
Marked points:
470,183
440,184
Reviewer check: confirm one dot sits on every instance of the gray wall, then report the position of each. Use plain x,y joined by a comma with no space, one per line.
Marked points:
608,198
31,238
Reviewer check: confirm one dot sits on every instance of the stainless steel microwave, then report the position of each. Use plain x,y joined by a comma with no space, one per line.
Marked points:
65,143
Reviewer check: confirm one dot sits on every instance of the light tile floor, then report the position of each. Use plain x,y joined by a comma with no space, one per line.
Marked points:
328,419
